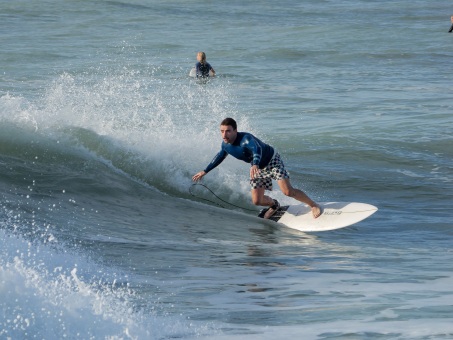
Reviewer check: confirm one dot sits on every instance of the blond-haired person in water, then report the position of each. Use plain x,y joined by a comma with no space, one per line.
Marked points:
202,67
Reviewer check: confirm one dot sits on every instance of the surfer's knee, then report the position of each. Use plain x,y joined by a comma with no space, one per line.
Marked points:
289,191
286,188
256,200
258,196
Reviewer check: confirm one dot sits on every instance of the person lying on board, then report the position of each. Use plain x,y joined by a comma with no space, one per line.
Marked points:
202,67
266,165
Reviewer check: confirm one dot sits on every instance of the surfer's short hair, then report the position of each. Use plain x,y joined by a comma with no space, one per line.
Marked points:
229,122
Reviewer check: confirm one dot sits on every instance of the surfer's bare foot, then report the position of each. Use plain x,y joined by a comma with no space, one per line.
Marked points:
316,211
272,210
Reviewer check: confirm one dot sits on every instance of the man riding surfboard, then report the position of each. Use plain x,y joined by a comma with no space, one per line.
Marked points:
266,165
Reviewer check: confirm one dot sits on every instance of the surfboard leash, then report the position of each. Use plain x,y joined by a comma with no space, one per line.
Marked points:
211,201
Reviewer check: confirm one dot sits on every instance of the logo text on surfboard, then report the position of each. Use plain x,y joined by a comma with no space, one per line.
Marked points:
332,212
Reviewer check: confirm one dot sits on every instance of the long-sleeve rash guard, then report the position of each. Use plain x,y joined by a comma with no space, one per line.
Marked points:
203,69
247,148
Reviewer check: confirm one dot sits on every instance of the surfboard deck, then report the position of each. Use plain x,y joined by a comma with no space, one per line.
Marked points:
335,215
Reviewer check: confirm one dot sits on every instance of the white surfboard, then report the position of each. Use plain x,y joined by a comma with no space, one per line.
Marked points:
193,73
334,215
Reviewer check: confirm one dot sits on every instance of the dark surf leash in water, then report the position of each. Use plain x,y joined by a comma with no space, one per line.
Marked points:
211,201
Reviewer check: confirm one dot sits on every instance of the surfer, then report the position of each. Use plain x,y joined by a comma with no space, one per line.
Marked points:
451,27
266,165
202,66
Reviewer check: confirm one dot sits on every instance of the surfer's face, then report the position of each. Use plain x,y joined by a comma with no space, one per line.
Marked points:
228,134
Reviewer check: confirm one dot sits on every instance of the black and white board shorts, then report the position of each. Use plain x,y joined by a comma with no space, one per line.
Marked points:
275,170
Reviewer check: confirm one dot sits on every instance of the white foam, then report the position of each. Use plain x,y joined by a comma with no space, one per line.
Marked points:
45,293
164,129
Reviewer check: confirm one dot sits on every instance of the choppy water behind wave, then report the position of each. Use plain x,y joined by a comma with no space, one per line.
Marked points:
99,235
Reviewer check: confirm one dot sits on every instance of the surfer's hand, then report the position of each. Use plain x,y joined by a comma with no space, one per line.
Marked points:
198,176
254,171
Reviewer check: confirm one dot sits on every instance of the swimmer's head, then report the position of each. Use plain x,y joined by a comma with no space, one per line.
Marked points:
201,56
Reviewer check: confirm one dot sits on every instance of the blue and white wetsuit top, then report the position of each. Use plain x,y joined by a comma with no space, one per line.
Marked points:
247,148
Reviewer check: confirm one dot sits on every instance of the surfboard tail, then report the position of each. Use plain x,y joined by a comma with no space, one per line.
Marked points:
277,215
